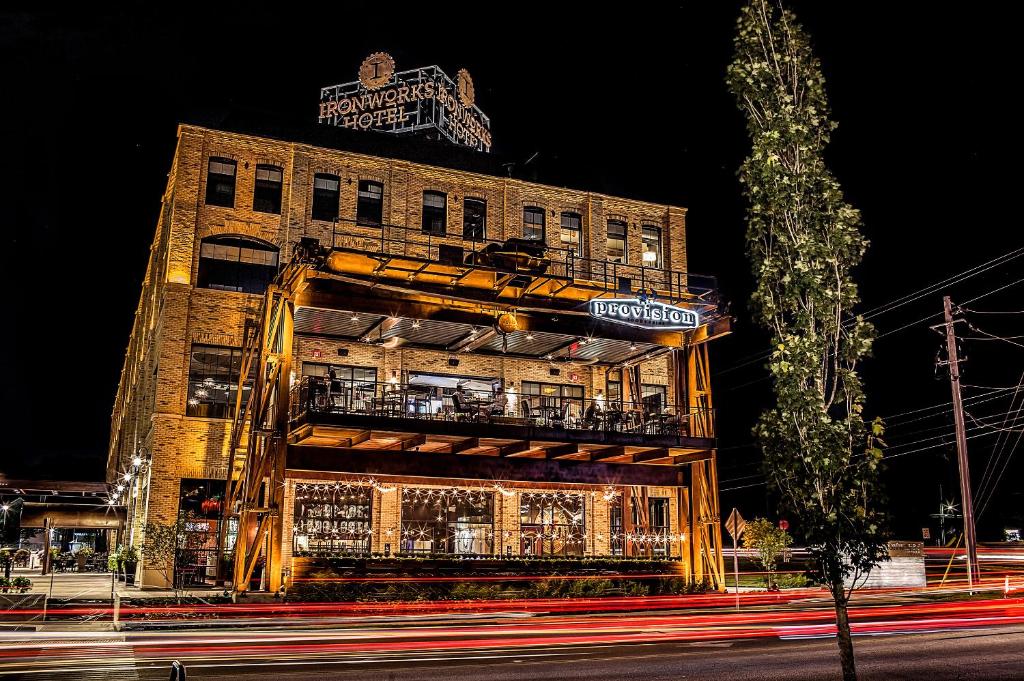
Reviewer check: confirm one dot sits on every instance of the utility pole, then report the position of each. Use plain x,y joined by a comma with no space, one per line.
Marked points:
953,361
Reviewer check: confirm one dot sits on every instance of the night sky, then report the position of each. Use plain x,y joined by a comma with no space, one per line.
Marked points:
928,148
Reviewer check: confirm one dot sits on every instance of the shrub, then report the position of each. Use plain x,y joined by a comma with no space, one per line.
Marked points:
791,581
22,583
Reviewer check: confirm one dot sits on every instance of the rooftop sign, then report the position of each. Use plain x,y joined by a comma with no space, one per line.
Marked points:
402,102
644,314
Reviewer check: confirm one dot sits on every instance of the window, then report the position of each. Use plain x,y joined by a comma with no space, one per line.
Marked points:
657,525
650,535
325,196
435,212
370,206
474,219
551,524
213,381
447,521
332,518
220,183
655,397
614,387
233,263
200,508
566,400
651,236
266,195
616,244
571,230
355,389
617,531
533,223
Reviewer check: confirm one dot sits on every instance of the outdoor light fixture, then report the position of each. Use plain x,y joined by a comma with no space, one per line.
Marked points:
4,508
416,324
529,336
355,318
632,346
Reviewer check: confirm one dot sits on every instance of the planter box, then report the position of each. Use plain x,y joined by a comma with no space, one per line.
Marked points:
10,604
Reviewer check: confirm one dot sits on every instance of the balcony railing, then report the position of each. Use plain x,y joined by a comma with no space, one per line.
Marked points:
522,257
314,395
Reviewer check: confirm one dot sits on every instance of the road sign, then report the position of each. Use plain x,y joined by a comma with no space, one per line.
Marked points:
783,524
735,524
926,533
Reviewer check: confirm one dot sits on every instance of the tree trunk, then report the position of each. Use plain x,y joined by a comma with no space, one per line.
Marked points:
844,639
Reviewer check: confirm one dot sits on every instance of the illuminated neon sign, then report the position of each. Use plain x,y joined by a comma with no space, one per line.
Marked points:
401,102
644,314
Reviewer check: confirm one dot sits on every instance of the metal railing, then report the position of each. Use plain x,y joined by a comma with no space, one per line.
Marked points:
522,256
319,395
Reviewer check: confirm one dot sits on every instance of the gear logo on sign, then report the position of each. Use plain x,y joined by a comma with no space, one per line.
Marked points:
467,94
376,70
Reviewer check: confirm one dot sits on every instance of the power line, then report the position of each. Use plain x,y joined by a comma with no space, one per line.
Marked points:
899,302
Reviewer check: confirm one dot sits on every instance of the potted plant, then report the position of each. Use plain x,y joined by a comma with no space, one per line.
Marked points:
114,560
23,584
129,556
82,557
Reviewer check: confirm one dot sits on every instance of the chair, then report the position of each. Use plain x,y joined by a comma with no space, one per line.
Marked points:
561,417
461,409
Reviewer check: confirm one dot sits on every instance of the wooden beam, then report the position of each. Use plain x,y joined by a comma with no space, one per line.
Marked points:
305,460
651,455
691,457
608,453
553,450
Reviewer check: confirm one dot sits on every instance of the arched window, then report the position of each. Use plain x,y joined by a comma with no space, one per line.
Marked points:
236,263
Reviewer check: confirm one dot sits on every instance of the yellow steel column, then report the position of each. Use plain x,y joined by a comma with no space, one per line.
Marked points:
279,445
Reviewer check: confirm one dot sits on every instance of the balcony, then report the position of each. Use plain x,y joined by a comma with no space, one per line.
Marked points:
513,269
540,426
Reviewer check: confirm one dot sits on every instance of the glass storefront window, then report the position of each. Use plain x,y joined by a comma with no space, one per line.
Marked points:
551,524
332,518
452,520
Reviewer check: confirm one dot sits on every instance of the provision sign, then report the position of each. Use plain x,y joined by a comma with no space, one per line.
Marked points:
644,314
408,101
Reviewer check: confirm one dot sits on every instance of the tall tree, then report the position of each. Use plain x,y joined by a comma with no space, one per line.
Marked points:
804,241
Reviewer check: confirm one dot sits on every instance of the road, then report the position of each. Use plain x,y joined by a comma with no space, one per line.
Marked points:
935,640
990,654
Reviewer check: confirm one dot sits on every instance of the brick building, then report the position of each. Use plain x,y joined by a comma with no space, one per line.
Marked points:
422,368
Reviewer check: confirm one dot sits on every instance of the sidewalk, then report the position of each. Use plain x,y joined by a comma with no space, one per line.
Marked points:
97,586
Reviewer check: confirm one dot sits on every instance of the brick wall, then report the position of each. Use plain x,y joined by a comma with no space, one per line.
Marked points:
149,409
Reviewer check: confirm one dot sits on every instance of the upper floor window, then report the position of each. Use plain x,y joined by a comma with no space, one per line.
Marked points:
571,231
435,212
370,206
220,182
326,195
213,381
616,244
474,219
651,237
233,263
266,195
533,223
